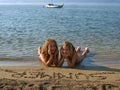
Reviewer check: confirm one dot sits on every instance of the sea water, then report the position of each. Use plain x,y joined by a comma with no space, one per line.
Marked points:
23,28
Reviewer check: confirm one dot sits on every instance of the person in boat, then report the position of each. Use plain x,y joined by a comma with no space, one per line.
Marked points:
48,54
72,56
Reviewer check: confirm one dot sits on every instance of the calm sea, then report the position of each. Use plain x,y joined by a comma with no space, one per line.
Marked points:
23,28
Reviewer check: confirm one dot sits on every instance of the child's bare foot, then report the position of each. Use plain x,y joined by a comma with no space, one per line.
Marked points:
87,50
78,49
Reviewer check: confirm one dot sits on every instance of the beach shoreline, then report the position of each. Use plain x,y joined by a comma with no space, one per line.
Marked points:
54,78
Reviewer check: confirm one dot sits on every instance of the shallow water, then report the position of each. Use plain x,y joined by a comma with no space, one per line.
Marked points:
23,28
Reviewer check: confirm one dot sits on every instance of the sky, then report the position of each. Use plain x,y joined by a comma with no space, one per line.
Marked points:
64,1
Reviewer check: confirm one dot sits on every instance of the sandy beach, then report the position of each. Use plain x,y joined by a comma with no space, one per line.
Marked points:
53,78
85,23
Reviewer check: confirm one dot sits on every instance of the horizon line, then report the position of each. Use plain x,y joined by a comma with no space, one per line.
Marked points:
80,3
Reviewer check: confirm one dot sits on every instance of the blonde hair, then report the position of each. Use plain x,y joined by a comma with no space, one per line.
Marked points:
70,47
45,47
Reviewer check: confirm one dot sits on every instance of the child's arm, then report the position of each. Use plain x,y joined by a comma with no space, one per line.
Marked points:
55,59
60,63
71,63
47,62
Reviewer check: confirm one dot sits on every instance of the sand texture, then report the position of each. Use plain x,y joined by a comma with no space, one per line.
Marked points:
52,78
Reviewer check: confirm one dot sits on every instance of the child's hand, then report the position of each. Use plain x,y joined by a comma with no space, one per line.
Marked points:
56,53
49,52
67,57
61,54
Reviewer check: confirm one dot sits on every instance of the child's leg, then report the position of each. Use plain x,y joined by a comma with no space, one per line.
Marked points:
85,52
39,50
78,49
81,57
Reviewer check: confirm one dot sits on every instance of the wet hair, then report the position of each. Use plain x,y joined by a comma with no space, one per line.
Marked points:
70,47
45,47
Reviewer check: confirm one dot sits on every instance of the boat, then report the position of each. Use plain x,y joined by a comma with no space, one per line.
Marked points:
54,6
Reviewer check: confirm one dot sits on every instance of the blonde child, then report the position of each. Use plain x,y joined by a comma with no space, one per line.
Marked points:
48,54
69,53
